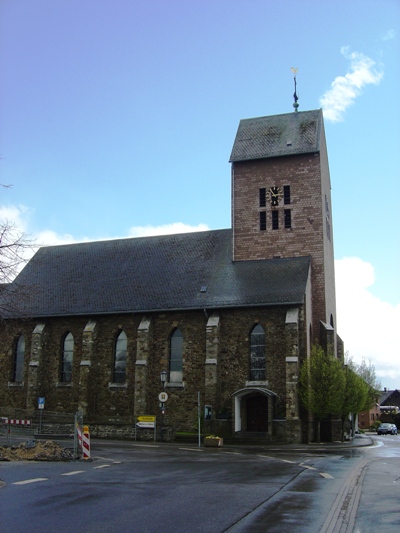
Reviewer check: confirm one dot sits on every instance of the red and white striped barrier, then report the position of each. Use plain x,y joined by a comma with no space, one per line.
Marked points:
79,435
16,422
86,443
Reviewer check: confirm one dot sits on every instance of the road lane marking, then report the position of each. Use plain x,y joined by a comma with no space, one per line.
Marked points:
326,476
232,453
191,449
73,473
145,446
27,481
102,466
308,467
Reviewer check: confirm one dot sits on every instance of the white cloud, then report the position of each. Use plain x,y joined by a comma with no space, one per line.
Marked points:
167,229
18,216
15,216
367,325
389,35
51,238
345,89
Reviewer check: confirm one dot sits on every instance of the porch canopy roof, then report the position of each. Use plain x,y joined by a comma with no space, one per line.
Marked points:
254,388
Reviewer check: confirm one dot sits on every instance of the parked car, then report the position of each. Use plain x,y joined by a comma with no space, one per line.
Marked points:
387,429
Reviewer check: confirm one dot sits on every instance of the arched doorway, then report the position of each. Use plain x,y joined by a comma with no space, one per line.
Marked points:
257,413
254,409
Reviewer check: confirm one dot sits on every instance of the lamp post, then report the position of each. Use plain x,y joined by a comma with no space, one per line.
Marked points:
163,379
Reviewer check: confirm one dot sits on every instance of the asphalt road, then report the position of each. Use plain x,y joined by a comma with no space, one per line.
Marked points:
131,487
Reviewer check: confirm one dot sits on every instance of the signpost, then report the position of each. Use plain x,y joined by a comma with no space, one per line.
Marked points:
40,407
146,422
163,397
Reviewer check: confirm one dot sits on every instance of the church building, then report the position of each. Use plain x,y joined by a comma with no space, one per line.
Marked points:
227,316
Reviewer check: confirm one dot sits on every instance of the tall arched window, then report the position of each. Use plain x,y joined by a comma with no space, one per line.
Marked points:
176,357
19,357
257,354
120,358
67,358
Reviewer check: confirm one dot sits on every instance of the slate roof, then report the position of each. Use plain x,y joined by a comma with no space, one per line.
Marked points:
278,135
152,274
389,397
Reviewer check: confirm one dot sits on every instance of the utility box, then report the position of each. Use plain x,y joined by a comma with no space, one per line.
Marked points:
207,412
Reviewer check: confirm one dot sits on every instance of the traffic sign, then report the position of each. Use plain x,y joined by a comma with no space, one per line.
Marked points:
146,418
163,397
149,425
41,403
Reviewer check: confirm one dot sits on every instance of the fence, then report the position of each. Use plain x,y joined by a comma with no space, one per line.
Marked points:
44,422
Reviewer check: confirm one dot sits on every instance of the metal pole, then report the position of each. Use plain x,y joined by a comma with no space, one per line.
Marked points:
75,436
199,416
40,421
162,421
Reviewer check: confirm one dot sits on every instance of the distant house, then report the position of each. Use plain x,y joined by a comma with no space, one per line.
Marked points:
387,407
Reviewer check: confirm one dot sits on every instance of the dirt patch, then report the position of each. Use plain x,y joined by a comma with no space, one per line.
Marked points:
47,450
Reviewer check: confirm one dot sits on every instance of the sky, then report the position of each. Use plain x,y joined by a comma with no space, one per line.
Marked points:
117,119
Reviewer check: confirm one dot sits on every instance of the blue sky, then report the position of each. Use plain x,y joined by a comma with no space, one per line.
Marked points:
118,118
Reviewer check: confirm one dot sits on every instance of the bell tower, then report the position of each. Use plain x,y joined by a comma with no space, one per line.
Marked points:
281,200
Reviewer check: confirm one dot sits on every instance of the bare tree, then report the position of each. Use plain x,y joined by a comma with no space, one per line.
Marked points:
15,250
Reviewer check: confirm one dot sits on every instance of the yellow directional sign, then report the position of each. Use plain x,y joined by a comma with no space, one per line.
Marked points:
146,418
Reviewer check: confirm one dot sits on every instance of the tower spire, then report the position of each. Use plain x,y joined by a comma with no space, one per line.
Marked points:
295,105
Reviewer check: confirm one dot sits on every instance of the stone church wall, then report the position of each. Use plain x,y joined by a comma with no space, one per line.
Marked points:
106,403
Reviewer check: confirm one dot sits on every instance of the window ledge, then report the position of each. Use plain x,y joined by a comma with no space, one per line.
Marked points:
64,384
12,384
177,385
117,385
256,383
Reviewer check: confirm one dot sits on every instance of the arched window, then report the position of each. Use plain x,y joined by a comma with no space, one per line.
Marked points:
120,358
19,356
176,357
257,354
67,358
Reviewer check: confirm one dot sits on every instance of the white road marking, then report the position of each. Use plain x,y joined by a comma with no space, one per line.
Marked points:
308,467
232,453
326,476
192,449
102,466
145,446
73,473
27,481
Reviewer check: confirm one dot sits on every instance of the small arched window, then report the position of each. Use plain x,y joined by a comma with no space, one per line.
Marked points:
67,358
176,357
120,358
19,357
257,354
